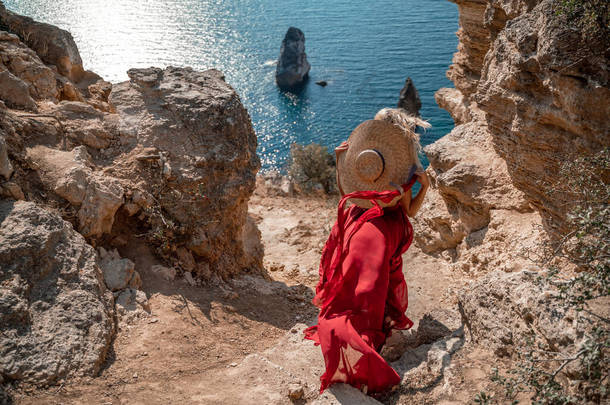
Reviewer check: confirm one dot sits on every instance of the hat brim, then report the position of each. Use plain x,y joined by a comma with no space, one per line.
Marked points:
392,144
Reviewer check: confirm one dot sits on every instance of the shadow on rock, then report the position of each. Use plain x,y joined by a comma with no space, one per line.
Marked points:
427,354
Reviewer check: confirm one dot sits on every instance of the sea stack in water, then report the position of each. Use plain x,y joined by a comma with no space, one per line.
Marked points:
409,98
292,67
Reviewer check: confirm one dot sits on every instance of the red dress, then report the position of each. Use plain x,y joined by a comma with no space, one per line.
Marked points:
360,285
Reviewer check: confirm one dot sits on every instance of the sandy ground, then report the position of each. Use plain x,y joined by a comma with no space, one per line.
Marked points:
241,342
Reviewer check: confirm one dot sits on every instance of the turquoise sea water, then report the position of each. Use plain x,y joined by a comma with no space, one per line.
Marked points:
364,50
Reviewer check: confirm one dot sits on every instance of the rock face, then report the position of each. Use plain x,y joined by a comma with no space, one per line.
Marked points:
542,90
56,316
53,45
524,98
170,153
70,176
292,67
503,310
409,98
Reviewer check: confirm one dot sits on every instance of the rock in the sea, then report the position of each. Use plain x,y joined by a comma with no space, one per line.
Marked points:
322,83
292,67
56,316
409,98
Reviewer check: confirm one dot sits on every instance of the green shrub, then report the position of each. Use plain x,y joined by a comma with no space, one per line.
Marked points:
311,167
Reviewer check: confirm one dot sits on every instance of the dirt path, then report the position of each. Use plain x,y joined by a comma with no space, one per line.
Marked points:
242,342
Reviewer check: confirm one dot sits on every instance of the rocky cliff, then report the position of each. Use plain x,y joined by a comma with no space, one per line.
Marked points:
167,158
530,91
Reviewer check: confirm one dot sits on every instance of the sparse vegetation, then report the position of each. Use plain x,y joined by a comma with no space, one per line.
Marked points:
553,376
312,167
592,17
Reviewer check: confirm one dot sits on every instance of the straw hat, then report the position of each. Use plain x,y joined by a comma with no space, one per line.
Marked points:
379,154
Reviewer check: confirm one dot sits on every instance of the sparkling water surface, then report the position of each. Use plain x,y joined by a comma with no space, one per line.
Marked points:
364,50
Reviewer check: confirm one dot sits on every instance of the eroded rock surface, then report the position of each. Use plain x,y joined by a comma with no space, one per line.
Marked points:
54,45
523,101
540,90
503,310
188,143
56,316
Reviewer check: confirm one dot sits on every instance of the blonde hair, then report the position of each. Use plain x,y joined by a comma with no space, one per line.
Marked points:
407,122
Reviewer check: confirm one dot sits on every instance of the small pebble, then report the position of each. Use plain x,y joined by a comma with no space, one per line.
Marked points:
295,391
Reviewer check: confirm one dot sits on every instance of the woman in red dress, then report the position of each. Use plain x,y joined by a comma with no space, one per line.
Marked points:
362,294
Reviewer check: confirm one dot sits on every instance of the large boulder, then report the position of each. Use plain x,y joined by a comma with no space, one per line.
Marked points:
189,157
292,66
56,316
546,96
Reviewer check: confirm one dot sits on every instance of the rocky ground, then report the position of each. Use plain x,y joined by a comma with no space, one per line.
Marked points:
241,341
143,261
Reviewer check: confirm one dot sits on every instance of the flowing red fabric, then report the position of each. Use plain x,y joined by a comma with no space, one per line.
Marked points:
361,283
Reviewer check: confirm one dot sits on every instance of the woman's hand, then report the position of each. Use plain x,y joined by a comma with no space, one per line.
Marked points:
423,179
338,151
411,205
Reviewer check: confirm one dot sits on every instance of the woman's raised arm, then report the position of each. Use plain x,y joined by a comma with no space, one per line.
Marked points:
412,205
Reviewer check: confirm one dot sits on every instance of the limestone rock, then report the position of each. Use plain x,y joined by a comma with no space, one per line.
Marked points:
188,277
469,182
545,94
136,281
70,176
453,101
421,367
23,63
12,190
14,92
6,168
503,310
54,45
85,125
409,98
177,143
118,272
186,134
167,273
131,299
539,89
55,312
292,67
292,365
